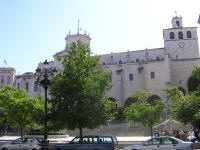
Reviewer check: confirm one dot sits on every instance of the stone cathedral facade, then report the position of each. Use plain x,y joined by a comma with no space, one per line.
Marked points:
149,69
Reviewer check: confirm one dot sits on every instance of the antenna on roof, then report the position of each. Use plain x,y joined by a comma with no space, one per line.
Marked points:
78,27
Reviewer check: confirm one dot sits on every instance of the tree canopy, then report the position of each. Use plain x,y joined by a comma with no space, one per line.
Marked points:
143,112
20,110
194,80
185,109
78,92
3,122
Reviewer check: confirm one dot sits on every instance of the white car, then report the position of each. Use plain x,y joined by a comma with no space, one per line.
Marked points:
162,143
26,143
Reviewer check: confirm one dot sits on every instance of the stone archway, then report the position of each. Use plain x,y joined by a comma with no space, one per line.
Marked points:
129,101
119,111
182,90
151,99
113,100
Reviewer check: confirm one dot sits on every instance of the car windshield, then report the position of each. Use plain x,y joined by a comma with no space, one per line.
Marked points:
27,140
42,141
168,141
154,141
17,141
76,140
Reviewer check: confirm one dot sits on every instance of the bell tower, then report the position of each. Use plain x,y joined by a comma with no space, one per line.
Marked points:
181,42
177,22
70,38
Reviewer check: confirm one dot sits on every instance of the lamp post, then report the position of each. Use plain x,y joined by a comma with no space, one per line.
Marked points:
44,78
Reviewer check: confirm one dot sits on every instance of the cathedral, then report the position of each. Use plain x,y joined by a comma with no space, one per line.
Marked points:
149,69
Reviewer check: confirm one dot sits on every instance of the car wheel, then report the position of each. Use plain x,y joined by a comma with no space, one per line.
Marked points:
4,148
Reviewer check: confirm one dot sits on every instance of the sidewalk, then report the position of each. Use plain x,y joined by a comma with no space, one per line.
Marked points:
67,139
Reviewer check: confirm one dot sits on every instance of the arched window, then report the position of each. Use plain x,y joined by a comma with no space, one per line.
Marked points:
157,58
8,79
35,86
189,35
137,60
14,84
177,23
120,62
18,86
2,79
27,86
180,35
171,35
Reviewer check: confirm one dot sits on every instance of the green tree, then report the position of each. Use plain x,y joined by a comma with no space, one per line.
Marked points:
185,109
143,112
20,110
3,122
78,92
194,80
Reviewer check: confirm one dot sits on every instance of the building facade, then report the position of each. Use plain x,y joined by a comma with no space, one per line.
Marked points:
7,76
155,69
150,69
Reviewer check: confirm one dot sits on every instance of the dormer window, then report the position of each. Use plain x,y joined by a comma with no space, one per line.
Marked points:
189,35
171,35
180,35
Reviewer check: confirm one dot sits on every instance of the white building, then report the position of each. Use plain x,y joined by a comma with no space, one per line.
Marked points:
150,69
7,76
155,69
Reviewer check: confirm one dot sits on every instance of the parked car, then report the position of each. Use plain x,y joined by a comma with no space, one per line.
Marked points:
27,143
162,143
90,143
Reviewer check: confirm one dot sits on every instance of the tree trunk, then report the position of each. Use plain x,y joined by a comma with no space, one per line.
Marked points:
151,128
21,131
81,132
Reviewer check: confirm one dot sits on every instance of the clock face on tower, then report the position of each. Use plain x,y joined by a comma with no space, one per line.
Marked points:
181,44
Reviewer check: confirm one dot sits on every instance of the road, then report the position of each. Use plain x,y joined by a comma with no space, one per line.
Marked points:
123,141
121,144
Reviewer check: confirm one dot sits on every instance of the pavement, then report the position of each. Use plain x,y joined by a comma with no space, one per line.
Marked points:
67,139
122,140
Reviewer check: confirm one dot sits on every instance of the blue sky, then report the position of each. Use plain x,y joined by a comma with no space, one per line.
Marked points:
34,30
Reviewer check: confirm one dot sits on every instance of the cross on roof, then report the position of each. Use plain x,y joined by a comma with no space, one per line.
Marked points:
176,13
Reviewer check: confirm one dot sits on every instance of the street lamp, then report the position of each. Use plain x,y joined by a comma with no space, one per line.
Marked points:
44,78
